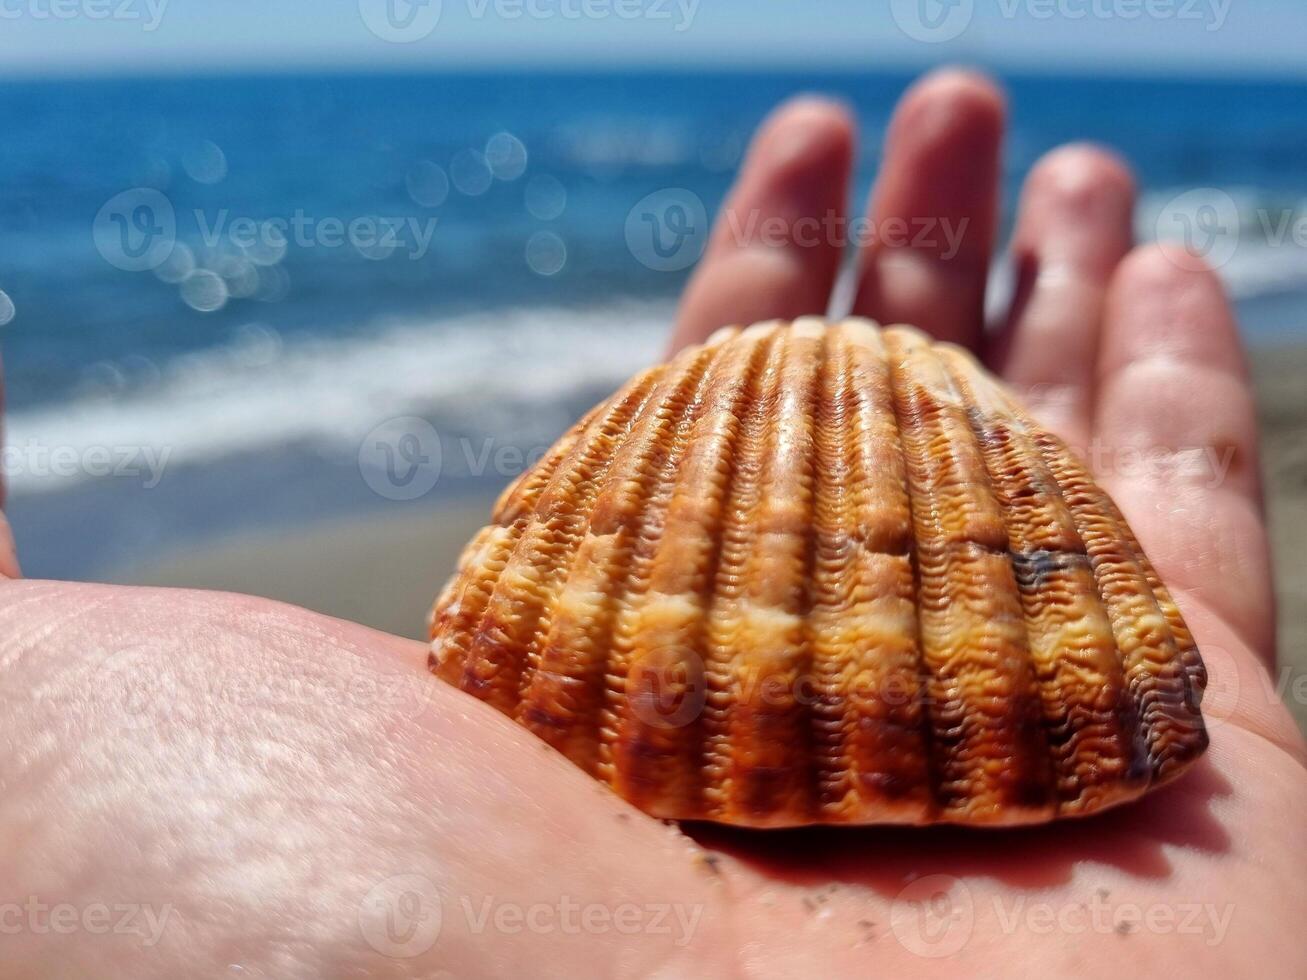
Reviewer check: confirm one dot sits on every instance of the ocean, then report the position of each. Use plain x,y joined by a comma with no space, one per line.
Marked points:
235,303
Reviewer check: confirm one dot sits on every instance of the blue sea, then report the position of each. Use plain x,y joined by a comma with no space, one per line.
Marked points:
218,288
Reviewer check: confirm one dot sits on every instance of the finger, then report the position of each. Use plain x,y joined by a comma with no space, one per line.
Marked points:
933,209
775,249
1175,435
8,552
1073,229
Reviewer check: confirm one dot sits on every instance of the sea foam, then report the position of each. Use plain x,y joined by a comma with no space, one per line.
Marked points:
510,376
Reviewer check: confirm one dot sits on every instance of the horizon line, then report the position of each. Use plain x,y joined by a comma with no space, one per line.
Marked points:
1152,70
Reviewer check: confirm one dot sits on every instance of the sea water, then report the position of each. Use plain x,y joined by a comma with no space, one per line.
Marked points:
225,289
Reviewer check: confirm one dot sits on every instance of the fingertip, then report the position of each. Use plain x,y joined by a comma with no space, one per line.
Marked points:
817,114
1167,266
1083,180
957,82
952,102
1167,303
1077,208
1176,288
804,135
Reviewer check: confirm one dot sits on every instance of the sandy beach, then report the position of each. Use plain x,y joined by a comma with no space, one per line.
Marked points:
1282,407
383,571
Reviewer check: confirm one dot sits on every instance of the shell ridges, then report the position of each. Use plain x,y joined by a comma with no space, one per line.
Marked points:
826,573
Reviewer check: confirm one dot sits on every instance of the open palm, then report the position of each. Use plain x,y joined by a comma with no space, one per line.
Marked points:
199,784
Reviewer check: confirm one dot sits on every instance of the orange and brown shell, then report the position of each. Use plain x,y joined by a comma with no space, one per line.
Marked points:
813,573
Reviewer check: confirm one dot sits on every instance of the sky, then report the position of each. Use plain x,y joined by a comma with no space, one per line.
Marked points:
1176,37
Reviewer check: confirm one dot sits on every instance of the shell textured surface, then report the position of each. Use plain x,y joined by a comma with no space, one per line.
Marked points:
826,573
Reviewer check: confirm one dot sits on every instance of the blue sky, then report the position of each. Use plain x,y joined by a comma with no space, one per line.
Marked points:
1193,37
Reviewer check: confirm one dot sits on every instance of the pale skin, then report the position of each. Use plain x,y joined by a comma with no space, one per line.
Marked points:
246,773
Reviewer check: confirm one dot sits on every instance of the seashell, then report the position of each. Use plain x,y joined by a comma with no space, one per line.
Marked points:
826,574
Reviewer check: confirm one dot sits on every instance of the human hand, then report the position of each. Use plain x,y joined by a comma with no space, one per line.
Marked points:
281,794
1129,354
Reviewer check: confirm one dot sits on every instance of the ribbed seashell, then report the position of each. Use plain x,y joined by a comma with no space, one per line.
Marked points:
826,574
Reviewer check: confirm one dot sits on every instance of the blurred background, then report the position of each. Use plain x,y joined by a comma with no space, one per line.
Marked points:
288,290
